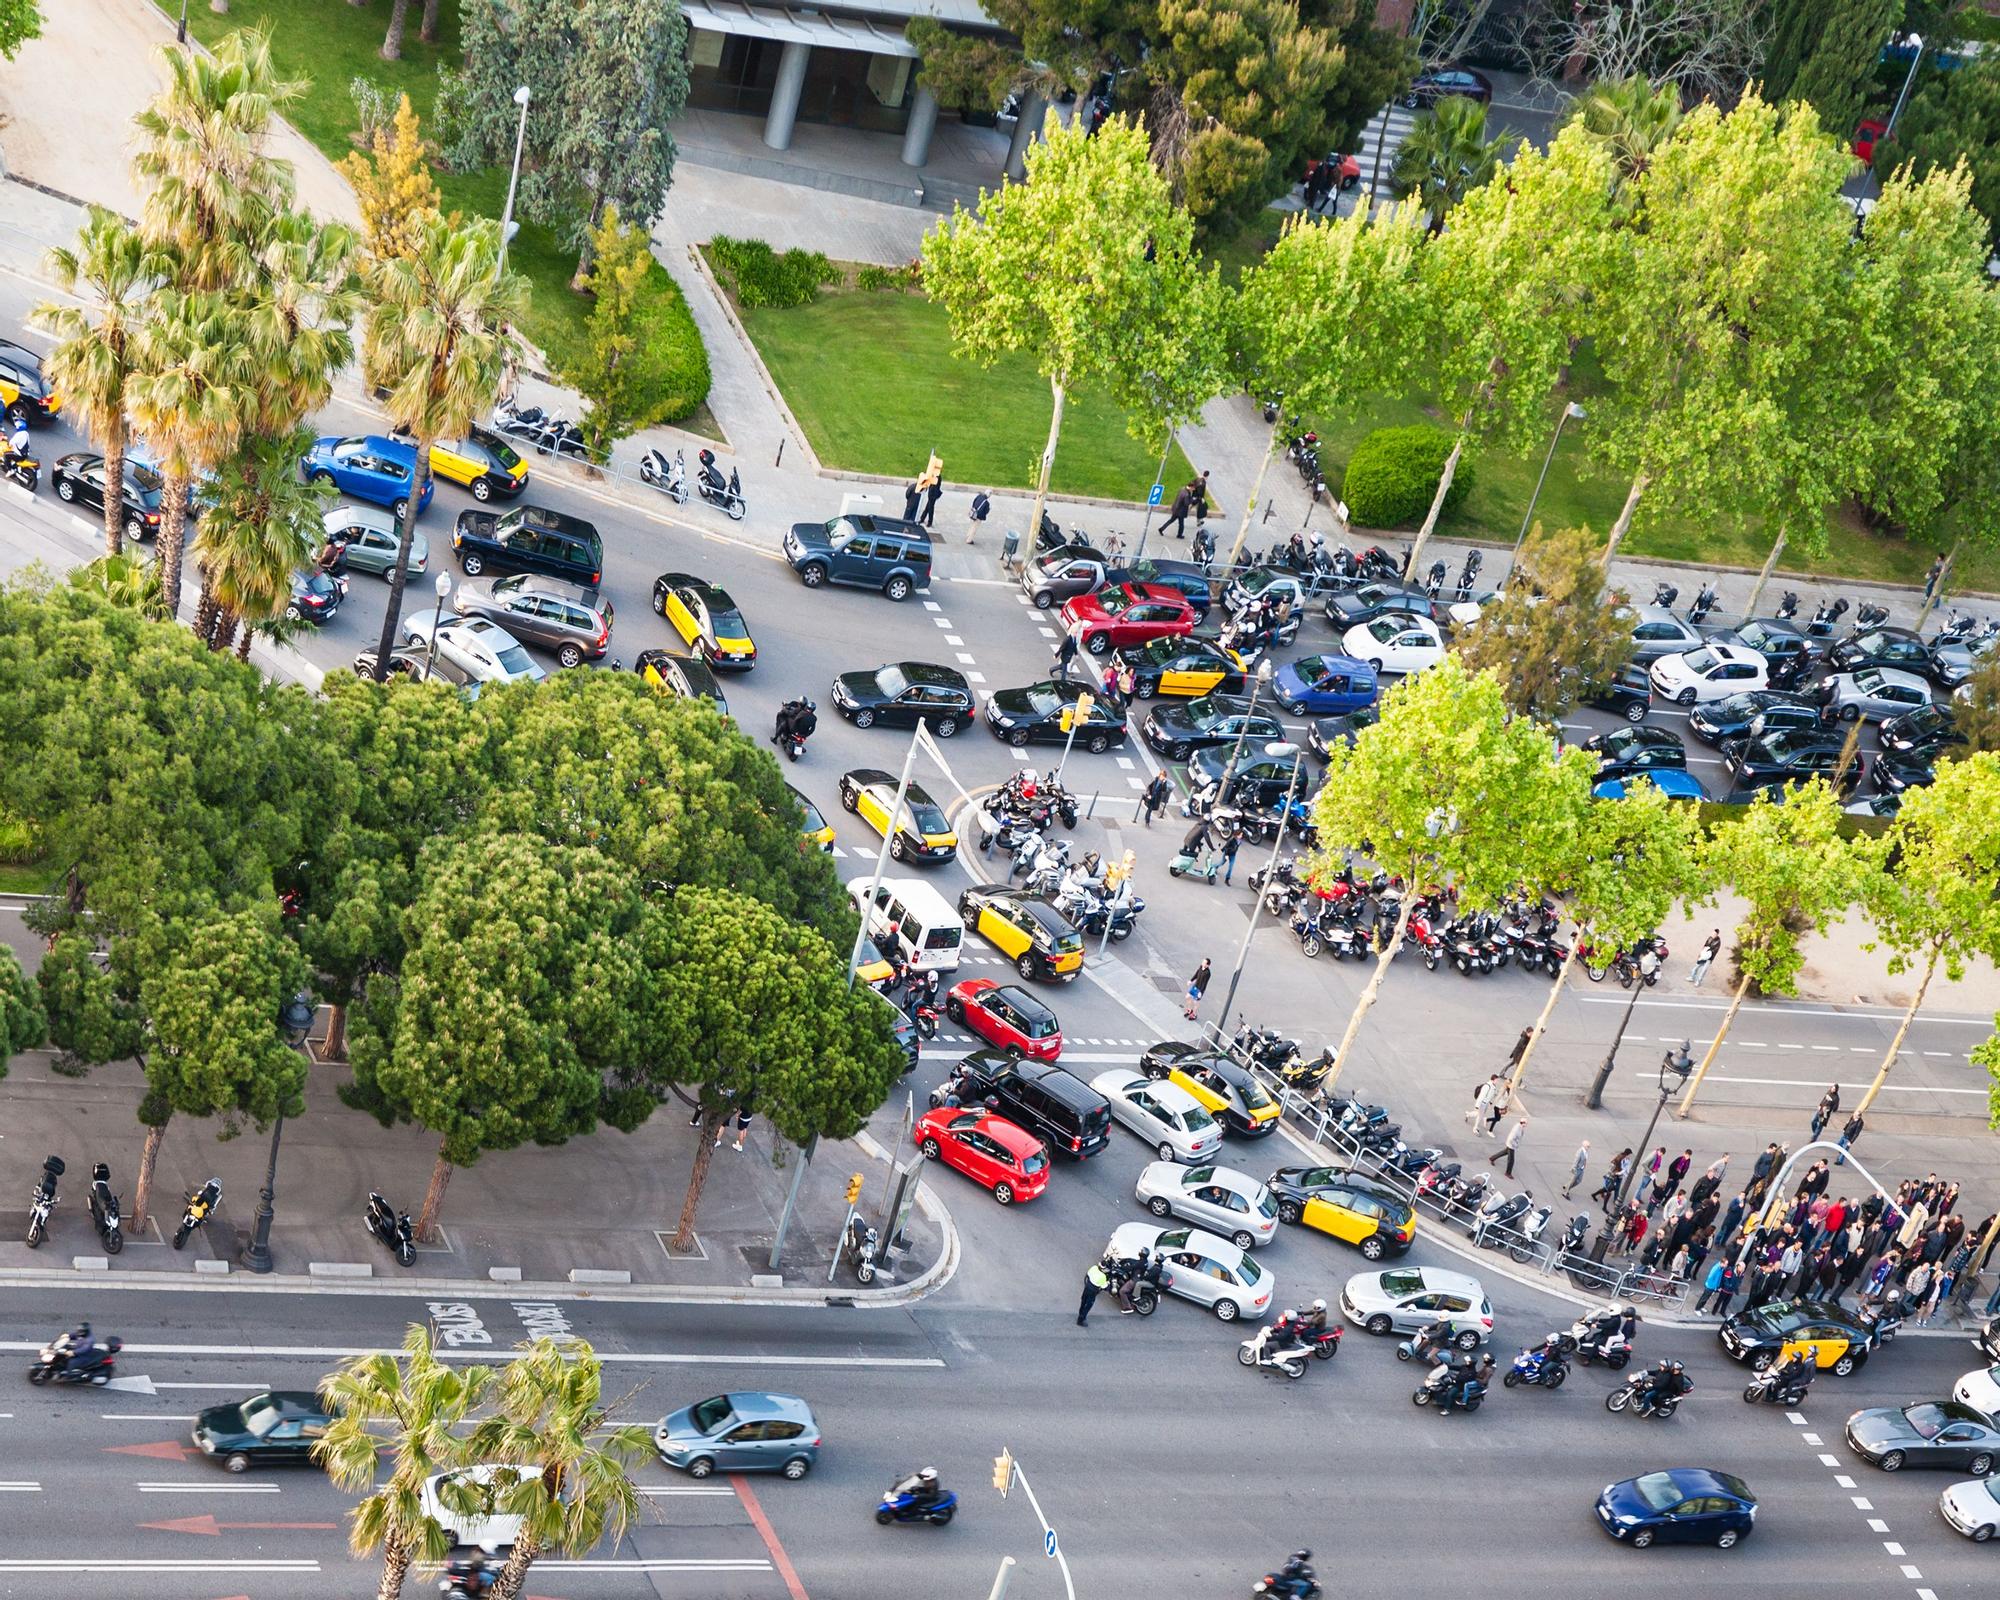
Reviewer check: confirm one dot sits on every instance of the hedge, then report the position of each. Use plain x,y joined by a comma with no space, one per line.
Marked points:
1393,475
758,276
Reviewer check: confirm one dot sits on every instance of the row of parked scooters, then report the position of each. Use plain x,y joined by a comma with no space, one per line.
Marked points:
555,435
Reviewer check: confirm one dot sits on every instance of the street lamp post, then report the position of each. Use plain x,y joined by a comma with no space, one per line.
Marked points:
1675,1066
1596,1096
1257,905
442,583
296,1021
1257,683
1888,129
1570,413
522,96
181,31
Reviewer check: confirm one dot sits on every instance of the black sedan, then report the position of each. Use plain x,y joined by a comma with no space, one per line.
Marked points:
315,597
1352,607
1629,694
1428,88
1897,770
1839,1339
1928,728
1882,647
1788,755
902,693
279,1428
1627,750
1935,1433
79,480
1033,714
1177,731
1259,781
1325,732
1731,716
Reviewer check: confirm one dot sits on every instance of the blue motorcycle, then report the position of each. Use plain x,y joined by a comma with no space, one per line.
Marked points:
1540,1365
899,1505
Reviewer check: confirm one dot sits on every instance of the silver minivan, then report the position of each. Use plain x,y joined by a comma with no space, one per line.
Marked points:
573,622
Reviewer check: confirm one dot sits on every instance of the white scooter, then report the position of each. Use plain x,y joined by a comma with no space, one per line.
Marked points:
1257,1351
669,477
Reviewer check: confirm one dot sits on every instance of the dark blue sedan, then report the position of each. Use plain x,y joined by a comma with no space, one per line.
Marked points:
1680,1505
369,468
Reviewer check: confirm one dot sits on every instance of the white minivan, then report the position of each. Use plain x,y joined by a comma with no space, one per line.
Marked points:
912,922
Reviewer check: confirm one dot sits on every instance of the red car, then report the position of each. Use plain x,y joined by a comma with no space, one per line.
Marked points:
1009,1017
1131,614
1867,134
989,1150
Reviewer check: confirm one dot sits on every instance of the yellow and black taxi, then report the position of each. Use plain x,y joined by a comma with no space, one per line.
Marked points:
815,829
1185,667
1359,1211
483,462
680,677
1840,1340
1222,1087
1027,928
706,619
24,391
921,833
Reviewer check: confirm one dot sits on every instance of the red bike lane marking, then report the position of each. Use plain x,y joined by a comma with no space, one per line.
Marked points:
762,1524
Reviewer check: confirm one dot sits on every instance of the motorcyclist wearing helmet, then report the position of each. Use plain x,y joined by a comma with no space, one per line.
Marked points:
923,1489
1297,1573
1313,1322
75,1347
1285,1332
1796,1371
797,719
1433,1338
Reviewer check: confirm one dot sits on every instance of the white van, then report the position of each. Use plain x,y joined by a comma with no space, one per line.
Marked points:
912,922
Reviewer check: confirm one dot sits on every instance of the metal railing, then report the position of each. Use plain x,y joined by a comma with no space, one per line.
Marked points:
1599,1279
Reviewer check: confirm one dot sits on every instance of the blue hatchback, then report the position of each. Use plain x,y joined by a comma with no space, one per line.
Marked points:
1681,1505
1672,782
369,468
1325,686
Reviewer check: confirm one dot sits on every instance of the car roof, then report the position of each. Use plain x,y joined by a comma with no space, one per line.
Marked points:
1240,1182
762,1403
1434,1280
1021,999
1200,1239
1016,1138
929,673
1895,676
528,514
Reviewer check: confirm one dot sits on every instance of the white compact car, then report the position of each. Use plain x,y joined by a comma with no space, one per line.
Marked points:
1209,1271
1404,1299
495,1531
1973,1507
1165,1115
479,645
1714,672
1222,1200
1396,642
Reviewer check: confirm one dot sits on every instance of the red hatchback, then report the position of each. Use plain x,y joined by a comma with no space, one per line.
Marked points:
989,1150
1006,1016
1130,614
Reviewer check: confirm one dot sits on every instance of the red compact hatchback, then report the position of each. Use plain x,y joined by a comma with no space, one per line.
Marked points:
1130,614
989,1150
1007,1016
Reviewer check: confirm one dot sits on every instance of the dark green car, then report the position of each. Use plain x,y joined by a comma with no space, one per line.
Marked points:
279,1428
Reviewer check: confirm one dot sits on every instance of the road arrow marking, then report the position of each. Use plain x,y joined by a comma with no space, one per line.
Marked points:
207,1524
166,1450
138,1383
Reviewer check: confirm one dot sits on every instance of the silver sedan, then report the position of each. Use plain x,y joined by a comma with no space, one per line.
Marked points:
1165,1115
1226,1202
1876,692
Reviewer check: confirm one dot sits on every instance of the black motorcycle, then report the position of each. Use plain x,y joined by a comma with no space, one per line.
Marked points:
104,1210
392,1227
21,468
60,1362
1647,1396
1776,1387
717,490
200,1207
44,1201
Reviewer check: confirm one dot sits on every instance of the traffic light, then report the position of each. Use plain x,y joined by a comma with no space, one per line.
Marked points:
854,1188
1120,870
1066,718
1003,1472
1084,703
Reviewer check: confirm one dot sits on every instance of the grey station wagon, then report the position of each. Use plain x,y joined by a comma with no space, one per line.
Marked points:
573,622
865,552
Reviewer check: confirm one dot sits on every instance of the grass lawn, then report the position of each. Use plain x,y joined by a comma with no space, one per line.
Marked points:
30,877
871,379
1247,248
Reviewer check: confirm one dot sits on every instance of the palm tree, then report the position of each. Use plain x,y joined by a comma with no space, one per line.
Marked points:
422,1402
210,185
300,309
550,1417
1630,120
1445,156
92,359
437,337
191,393
260,524
126,582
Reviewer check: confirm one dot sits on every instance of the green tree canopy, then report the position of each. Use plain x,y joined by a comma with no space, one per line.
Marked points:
1824,52
1554,637
23,1024
1954,117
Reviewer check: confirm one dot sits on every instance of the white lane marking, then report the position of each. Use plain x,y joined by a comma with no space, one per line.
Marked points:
942,622
651,1358
1829,1461
251,1384
1811,1438
1911,1573
1945,1053
1892,1547
1135,782
1862,1503
83,523
110,1564
1806,1083
1842,1481
932,605
1861,1049
1771,1010
612,1564
1100,1058
964,660
1753,1044
1796,1419
975,677
1836,1047
1125,762
952,638
1047,633
702,1489
1018,754
1877,1525
208,1488
144,1416
22,1487
1783,1046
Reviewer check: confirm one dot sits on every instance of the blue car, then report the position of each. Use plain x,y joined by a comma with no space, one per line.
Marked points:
1325,686
1681,1505
370,468
1672,782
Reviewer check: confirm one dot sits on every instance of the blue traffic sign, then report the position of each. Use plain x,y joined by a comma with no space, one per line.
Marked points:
1049,1542
1155,494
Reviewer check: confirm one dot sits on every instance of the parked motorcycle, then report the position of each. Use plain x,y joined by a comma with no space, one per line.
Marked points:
392,1227
1704,603
669,477
1823,620
860,1246
104,1210
43,1201
1468,574
715,489
200,1207
1869,614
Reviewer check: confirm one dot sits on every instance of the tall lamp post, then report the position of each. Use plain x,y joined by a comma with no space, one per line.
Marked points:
1916,41
442,583
1675,1066
1257,684
296,1021
1570,413
181,31
1280,748
522,96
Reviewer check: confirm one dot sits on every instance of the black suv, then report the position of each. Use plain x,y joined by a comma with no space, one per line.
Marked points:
529,539
1629,694
1926,731
1047,1100
885,553
1759,710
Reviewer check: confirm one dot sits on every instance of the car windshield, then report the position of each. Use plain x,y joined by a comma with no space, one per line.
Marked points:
891,682
1249,1273
1116,600
260,1415
513,585
815,822
514,661
1786,743
929,818
1385,628
1266,1205
1756,635
1869,680
1698,660
1928,1420
1043,700
1658,1490
710,1414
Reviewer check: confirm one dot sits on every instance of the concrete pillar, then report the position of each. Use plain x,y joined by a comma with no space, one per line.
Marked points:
785,95
1029,125
917,136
